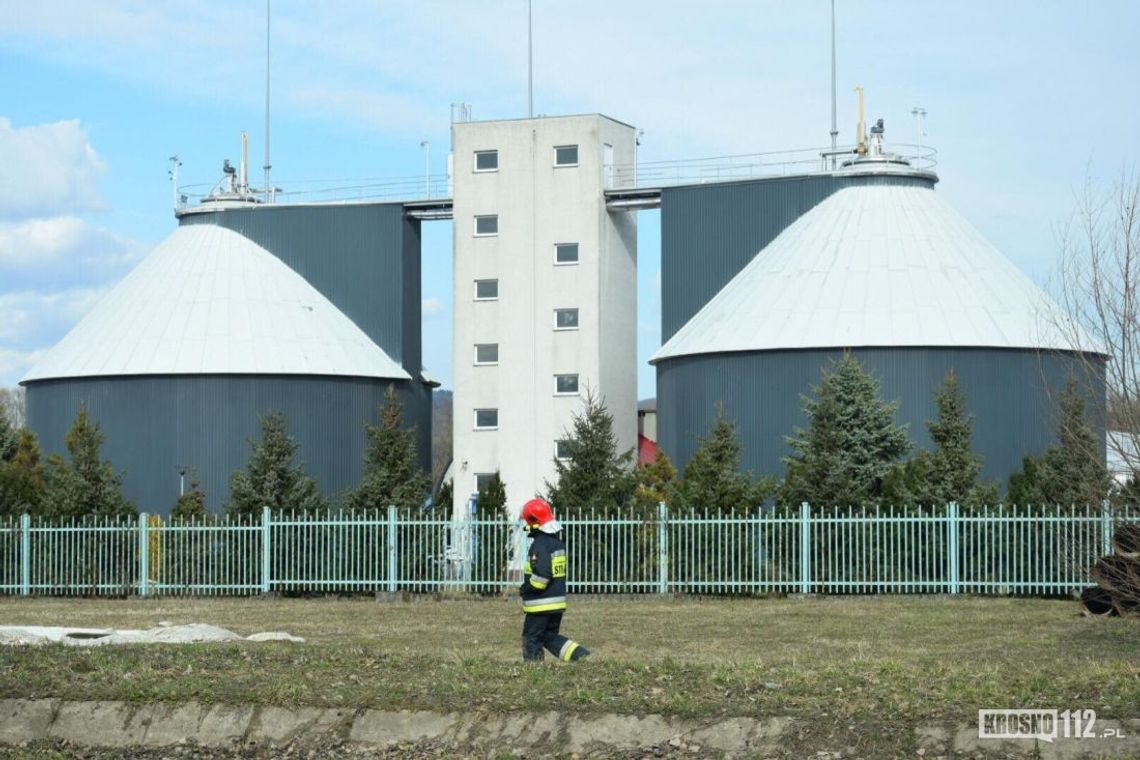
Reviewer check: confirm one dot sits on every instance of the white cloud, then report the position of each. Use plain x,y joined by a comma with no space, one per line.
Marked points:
31,322
394,68
49,168
430,306
37,240
37,319
62,251
14,364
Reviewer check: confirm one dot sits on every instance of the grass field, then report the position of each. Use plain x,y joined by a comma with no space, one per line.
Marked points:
899,660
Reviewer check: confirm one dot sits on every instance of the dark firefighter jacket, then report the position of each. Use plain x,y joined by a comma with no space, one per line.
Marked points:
544,574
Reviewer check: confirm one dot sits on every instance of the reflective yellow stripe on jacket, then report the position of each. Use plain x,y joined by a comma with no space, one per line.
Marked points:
547,604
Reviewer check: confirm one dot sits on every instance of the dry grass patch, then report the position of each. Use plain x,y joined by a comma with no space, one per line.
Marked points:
860,658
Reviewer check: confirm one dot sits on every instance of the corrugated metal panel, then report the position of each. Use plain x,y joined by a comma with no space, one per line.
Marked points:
155,424
877,266
1010,392
359,256
709,232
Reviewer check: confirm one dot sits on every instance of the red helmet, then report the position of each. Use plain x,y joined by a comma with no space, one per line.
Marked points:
537,513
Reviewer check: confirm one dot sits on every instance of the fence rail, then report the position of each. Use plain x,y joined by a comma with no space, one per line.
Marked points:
1003,550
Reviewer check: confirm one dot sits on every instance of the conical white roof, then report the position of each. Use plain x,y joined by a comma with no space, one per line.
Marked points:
210,301
879,266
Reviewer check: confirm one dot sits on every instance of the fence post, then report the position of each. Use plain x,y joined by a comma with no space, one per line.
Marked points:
266,549
470,575
25,554
662,548
392,564
952,545
1106,526
144,554
805,548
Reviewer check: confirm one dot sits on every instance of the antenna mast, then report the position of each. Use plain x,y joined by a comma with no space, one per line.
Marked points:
267,166
530,59
834,128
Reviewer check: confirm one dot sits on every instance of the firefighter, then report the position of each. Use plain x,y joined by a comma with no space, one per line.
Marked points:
543,588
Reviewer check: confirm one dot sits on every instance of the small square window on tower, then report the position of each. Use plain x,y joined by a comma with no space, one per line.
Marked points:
487,225
566,155
486,160
566,385
562,450
486,290
486,419
565,253
565,319
486,353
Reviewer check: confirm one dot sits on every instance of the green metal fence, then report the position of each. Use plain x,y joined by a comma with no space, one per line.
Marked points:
1026,551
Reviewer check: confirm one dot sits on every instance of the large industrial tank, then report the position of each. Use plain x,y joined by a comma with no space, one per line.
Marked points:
217,327
893,274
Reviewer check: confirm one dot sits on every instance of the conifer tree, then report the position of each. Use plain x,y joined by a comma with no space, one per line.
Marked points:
192,504
1070,473
270,478
22,484
1081,475
87,484
445,496
851,443
492,496
712,479
9,436
595,475
392,475
953,468
656,482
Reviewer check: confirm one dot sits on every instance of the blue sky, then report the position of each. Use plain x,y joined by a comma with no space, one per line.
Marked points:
1024,100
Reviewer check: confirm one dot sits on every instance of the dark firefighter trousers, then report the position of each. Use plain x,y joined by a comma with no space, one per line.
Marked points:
540,631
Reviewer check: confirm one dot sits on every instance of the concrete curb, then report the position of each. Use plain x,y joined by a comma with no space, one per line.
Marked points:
121,724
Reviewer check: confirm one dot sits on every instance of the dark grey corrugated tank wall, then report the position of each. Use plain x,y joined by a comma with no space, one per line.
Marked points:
709,232
363,258
1010,392
154,424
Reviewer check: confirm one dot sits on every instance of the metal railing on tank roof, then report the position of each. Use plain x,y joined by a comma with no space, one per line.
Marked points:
745,166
